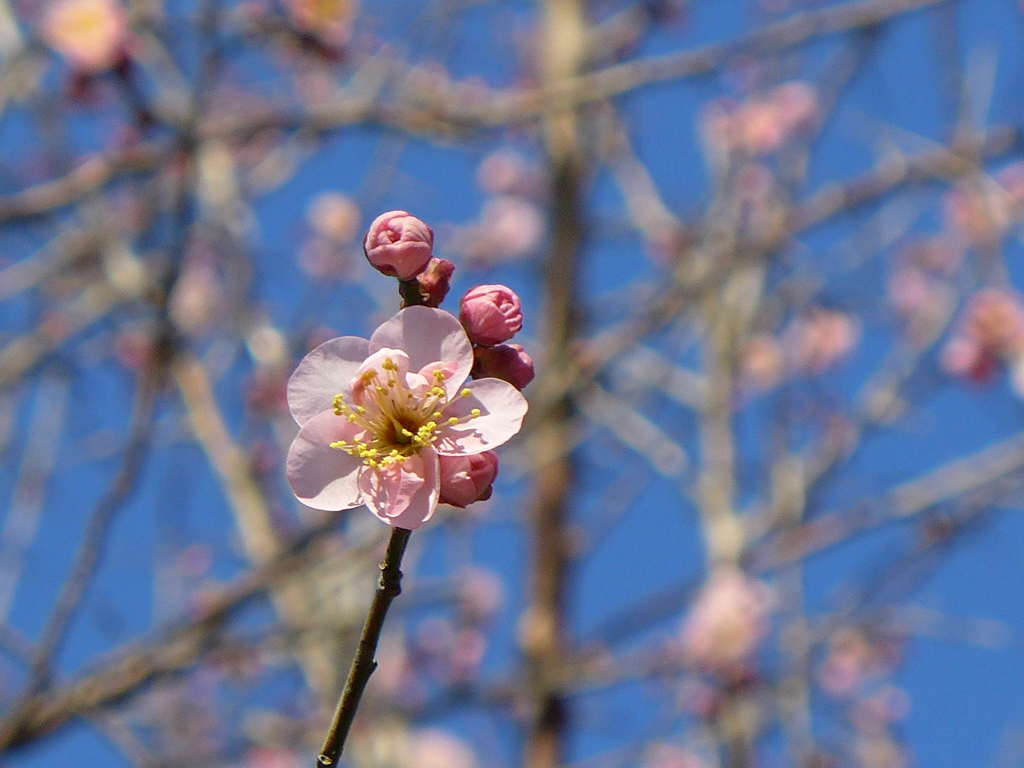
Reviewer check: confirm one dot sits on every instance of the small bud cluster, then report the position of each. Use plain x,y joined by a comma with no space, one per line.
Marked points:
400,245
491,315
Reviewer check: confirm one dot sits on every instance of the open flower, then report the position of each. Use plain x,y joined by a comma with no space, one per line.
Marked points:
377,414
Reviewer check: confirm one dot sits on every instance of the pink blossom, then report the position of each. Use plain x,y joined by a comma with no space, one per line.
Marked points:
376,415
399,245
508,362
90,34
465,479
491,314
728,621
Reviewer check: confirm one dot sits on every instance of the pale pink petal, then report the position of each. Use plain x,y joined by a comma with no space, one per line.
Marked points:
502,408
323,477
376,360
429,335
375,363
324,373
408,498
448,370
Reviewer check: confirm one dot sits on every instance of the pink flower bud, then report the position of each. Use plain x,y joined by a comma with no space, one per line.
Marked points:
508,362
399,245
435,281
491,314
465,479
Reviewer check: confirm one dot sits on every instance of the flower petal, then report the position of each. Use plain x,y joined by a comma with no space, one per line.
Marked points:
406,501
323,477
428,335
502,408
323,373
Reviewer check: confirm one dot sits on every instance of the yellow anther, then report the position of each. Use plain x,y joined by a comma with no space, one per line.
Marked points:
435,415
439,375
465,392
437,392
388,364
406,432
360,410
475,412
453,421
351,418
338,444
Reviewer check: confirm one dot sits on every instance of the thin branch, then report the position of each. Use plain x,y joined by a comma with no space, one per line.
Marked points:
363,665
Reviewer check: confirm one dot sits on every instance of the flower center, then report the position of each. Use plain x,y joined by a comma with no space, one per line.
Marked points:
397,417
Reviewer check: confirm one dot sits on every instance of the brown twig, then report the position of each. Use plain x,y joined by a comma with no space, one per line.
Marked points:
363,665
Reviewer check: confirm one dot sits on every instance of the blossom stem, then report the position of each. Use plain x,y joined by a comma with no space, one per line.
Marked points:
410,292
363,665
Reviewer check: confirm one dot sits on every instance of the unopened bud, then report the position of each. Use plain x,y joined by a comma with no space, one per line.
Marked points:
491,314
465,479
508,362
399,245
435,281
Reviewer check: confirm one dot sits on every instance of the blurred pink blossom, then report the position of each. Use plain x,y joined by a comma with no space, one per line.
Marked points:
849,661
376,415
333,216
670,756
435,748
991,330
921,299
510,227
468,649
764,122
197,299
271,757
91,34
982,209
762,361
505,172
480,594
728,620
819,338
329,20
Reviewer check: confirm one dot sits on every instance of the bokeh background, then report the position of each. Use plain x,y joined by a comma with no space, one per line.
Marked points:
765,510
